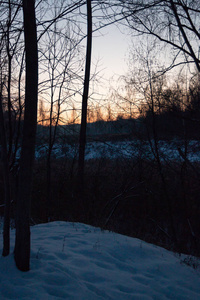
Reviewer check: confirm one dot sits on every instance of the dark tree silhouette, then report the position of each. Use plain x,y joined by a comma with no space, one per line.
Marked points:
82,138
4,157
22,242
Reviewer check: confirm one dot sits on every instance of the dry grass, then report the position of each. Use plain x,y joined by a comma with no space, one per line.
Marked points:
124,196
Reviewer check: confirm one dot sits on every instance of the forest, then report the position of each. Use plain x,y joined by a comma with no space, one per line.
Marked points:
50,102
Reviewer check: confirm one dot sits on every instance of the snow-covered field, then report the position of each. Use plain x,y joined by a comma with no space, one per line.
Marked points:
127,149
80,262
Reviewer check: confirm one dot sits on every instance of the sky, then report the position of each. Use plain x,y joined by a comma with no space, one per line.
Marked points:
111,48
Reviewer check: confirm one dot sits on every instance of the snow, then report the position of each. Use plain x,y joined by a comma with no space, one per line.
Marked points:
77,261
168,150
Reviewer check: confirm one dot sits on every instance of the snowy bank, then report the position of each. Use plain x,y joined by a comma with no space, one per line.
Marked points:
77,261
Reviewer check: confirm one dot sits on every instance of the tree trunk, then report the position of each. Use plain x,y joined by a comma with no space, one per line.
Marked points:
6,227
82,138
22,241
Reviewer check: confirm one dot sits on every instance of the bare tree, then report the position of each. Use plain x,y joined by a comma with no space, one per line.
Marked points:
61,64
82,139
4,157
9,44
172,23
10,36
22,242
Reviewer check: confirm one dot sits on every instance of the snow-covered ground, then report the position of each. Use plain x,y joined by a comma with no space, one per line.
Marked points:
127,149
80,262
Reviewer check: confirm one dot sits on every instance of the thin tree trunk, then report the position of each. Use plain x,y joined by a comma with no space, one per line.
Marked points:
160,168
48,191
82,137
6,228
22,241
9,83
18,130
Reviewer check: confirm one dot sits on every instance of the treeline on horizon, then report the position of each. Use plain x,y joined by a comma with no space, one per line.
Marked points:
175,113
172,113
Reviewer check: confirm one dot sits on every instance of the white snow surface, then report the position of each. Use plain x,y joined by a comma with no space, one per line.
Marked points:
77,261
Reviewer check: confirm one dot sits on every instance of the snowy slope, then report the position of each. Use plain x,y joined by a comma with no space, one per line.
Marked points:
77,261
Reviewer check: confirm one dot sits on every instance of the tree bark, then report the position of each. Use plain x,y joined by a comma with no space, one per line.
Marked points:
22,241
